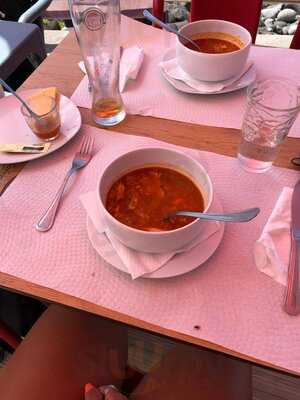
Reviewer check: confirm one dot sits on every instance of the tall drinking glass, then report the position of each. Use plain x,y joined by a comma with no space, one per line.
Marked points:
272,107
97,27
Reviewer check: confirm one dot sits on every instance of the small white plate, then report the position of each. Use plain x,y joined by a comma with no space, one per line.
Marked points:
243,82
180,264
13,128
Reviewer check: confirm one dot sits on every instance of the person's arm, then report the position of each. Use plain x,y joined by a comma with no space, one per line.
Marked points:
65,349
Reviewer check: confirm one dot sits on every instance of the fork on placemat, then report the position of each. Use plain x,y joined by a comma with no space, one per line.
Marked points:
81,159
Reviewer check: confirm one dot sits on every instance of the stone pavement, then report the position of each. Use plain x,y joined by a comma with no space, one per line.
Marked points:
53,38
274,40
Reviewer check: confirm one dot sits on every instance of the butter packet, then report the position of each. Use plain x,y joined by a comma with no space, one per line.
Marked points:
25,148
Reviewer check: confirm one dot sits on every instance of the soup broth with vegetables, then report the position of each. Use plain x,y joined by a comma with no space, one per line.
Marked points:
144,197
215,42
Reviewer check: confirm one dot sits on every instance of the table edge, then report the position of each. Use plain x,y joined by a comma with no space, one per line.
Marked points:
8,281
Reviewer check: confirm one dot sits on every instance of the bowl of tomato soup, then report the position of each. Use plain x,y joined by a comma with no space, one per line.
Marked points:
224,50
138,190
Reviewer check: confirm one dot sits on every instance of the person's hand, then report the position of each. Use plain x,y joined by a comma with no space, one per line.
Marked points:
108,392
92,393
111,393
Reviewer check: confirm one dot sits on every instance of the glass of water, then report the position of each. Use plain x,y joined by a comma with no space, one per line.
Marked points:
272,107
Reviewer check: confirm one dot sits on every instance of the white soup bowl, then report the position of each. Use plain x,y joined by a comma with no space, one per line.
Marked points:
154,242
208,66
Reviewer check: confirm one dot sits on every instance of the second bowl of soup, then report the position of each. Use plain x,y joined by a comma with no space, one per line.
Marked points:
224,50
139,189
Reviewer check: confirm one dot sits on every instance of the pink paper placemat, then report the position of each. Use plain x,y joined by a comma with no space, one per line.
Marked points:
151,95
235,305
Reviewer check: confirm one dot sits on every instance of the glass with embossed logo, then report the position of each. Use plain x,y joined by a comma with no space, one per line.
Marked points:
97,27
272,107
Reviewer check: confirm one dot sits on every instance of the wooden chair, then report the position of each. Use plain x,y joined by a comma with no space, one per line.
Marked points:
233,10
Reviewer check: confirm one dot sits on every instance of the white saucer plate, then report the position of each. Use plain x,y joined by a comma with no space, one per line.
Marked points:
243,82
180,264
13,128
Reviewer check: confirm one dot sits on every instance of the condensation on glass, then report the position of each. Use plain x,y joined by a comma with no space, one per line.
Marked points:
272,107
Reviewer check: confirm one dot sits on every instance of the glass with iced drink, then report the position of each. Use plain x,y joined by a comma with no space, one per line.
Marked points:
272,107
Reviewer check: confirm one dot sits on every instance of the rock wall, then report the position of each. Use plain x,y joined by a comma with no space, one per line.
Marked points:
280,18
177,11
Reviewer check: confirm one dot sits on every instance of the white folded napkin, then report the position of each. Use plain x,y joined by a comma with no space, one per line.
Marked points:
173,70
137,263
130,65
131,62
271,251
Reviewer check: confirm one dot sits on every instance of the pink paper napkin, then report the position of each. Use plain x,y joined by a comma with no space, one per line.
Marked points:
272,249
137,263
173,70
227,292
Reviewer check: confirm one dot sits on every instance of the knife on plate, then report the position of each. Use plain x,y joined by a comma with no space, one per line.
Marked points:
291,301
